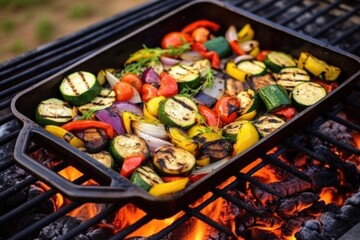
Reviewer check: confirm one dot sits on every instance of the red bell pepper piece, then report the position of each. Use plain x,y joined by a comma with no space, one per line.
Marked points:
213,26
286,112
168,86
227,107
328,86
84,124
211,55
148,92
236,48
210,116
130,164
262,55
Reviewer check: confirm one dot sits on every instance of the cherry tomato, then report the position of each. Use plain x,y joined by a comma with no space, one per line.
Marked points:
210,116
175,39
148,92
123,90
168,85
226,108
133,79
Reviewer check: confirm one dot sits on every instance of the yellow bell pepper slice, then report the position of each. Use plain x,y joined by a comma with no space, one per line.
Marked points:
232,70
247,137
246,33
153,104
318,67
144,53
205,160
197,129
248,116
168,187
127,118
254,52
66,135
180,139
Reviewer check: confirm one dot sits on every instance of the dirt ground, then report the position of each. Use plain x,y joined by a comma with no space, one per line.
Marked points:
25,28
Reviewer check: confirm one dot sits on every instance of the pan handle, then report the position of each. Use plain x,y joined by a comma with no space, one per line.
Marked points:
116,187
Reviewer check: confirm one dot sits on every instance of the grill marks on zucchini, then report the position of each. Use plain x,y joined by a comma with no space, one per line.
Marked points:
105,99
290,77
54,111
268,123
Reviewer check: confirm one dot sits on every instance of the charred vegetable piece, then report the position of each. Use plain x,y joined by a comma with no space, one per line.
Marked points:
252,67
145,177
217,149
226,108
276,61
273,97
130,164
171,160
110,116
178,111
318,67
85,124
66,135
231,130
307,94
123,146
79,88
185,76
54,111
288,78
248,101
103,100
104,157
180,139
95,140
258,82
268,123
233,87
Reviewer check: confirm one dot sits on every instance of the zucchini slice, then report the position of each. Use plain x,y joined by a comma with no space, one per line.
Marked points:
231,130
185,76
122,146
267,123
178,111
80,87
145,177
171,160
104,157
220,45
203,66
260,81
307,94
54,111
273,97
248,101
276,61
288,78
105,99
253,67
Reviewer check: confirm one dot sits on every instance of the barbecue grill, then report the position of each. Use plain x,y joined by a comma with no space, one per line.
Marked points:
334,22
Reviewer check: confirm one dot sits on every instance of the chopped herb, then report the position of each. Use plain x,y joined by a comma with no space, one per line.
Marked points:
208,83
88,115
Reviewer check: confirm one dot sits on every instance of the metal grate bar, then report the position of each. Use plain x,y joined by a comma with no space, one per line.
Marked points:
281,10
141,222
261,6
169,229
342,121
6,118
355,47
318,14
351,31
331,24
9,137
284,21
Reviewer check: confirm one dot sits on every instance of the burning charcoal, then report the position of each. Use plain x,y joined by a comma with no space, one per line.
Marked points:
214,234
47,206
290,207
322,177
332,227
310,231
292,225
264,223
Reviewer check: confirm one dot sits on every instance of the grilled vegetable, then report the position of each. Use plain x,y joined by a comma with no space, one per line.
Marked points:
231,130
171,160
252,67
276,61
203,66
232,70
210,116
180,139
130,164
267,123
185,76
79,88
219,45
54,111
273,97
226,108
247,136
151,107
104,157
160,189
307,94
110,116
123,146
286,113
95,140
258,82
66,135
318,67
145,177
217,149
248,101
153,129
103,100
288,78
246,33
85,124
233,87
178,111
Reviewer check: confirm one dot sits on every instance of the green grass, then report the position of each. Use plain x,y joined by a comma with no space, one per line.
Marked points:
44,30
21,3
7,26
81,11
18,46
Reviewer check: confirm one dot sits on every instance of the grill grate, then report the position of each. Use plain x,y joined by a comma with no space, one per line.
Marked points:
308,17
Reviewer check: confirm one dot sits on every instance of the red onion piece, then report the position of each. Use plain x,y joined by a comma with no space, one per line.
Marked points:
121,107
153,142
150,76
168,61
111,117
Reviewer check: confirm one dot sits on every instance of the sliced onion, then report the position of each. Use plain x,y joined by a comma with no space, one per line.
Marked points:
150,76
111,79
168,61
121,107
155,130
153,142
231,34
136,98
109,116
191,56
217,90
248,46
243,58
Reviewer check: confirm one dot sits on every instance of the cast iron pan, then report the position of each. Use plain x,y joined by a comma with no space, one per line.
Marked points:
116,189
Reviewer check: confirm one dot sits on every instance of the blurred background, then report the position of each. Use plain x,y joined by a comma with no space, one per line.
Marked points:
27,24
